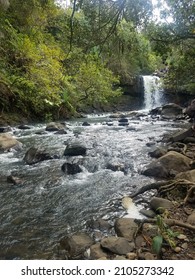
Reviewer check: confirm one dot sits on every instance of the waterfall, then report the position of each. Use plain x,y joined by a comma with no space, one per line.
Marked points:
153,94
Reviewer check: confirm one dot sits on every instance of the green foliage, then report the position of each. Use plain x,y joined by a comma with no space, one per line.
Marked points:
56,61
157,244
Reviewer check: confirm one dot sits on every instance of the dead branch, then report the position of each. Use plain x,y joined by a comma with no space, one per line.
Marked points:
153,186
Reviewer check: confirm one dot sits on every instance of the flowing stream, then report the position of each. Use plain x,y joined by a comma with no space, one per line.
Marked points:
49,204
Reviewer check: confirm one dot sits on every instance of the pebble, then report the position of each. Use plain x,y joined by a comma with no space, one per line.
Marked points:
177,249
182,237
131,256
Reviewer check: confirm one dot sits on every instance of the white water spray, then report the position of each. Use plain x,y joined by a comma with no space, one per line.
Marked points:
153,95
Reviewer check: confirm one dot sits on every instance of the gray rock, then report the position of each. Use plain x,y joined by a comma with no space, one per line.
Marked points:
76,244
158,152
171,163
117,245
54,126
97,252
7,141
34,155
71,168
126,227
160,204
75,150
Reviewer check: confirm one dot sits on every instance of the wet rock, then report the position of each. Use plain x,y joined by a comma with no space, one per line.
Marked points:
5,129
123,122
75,150
181,135
160,204
97,252
71,168
188,140
148,213
76,244
34,155
126,227
101,224
191,218
158,152
7,141
55,126
116,166
117,245
171,110
61,132
24,126
85,124
13,180
171,163
156,170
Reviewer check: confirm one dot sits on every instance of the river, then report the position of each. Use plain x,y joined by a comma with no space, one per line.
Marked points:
49,204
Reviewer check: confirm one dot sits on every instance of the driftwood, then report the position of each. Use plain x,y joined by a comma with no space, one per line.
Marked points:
164,187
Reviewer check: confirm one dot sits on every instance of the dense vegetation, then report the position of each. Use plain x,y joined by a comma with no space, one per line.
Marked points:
55,62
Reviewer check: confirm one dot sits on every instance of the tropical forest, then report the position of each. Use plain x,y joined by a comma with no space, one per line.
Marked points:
58,58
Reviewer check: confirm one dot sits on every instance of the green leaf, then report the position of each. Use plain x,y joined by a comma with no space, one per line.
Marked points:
157,244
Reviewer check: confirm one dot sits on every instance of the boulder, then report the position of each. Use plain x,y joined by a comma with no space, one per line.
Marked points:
24,126
97,252
160,204
158,152
126,227
75,149
171,163
76,244
187,175
117,245
71,168
34,155
182,135
55,126
171,110
7,141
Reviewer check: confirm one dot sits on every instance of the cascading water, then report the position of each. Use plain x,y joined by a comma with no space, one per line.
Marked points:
153,94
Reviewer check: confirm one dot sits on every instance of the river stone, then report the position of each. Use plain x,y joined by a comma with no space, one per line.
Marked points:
24,126
117,245
75,150
76,244
71,168
97,252
171,110
54,126
7,141
158,152
5,129
191,218
171,163
160,204
34,155
182,135
188,175
126,227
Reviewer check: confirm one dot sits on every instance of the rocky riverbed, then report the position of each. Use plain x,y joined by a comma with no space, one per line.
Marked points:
151,195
